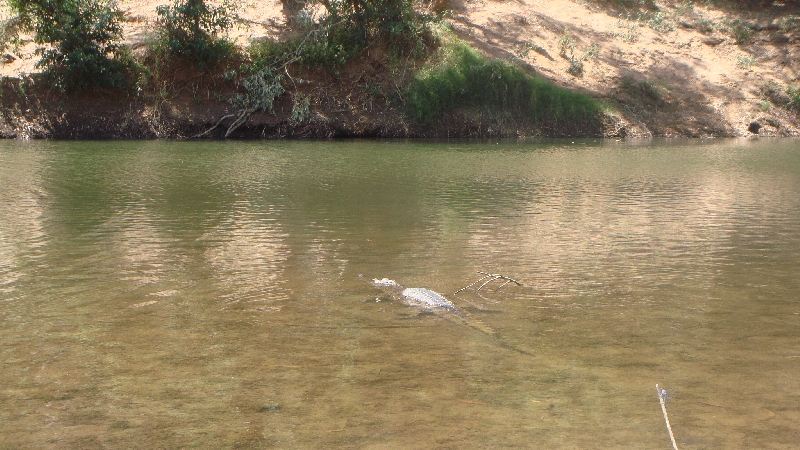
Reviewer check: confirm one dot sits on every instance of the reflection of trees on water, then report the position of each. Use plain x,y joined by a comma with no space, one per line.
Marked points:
566,221
143,213
633,228
22,202
207,240
248,258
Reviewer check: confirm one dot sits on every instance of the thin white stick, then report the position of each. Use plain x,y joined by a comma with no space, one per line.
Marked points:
498,276
473,284
666,419
501,286
491,277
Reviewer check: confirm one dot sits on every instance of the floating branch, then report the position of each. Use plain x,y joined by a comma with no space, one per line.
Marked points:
662,398
489,277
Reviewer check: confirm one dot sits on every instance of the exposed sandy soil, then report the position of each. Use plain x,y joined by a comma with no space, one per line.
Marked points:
700,81
704,90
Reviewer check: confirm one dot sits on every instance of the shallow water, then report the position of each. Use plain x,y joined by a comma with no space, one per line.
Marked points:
208,295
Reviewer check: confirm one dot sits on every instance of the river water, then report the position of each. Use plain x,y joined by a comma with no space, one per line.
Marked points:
217,295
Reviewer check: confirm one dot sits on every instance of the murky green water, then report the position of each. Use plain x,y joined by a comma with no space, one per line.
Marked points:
207,295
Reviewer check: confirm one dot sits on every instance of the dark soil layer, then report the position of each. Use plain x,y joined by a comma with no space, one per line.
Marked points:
362,100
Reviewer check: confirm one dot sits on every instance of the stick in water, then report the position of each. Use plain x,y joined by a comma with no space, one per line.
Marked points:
662,395
490,277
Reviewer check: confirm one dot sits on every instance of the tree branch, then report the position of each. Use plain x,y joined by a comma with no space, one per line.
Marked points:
208,131
489,277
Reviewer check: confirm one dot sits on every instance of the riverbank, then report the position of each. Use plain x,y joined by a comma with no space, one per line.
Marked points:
678,69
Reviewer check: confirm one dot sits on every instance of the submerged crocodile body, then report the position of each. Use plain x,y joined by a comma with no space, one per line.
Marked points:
438,304
418,296
435,302
427,297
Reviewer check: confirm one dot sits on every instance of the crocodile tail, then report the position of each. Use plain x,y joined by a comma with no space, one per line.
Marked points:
470,321
467,319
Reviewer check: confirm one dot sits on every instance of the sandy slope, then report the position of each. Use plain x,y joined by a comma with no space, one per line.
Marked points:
262,18
706,83
699,76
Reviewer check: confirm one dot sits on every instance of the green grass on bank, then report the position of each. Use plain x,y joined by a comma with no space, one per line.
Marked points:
465,79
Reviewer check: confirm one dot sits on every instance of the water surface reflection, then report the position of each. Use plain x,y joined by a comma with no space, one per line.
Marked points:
168,294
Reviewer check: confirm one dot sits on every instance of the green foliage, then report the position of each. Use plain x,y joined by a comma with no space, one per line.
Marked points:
750,5
194,30
567,50
630,27
269,53
658,21
686,7
741,31
575,67
304,19
706,26
301,107
632,4
591,52
789,23
794,97
745,61
465,79
641,89
373,90
9,33
526,48
330,48
261,90
776,93
566,44
350,27
394,20
81,38
313,51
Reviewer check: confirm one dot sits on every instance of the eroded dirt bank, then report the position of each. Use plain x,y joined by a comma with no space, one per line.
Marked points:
679,70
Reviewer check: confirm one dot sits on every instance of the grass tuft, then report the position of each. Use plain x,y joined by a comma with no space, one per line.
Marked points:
466,79
789,23
745,61
794,97
658,21
741,31
630,26
643,90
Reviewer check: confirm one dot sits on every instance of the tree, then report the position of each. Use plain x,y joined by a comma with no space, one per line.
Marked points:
373,18
82,36
191,29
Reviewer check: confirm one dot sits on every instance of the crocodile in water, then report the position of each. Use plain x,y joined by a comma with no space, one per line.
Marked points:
438,304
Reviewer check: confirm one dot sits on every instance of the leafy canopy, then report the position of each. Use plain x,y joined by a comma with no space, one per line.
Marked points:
82,38
192,29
